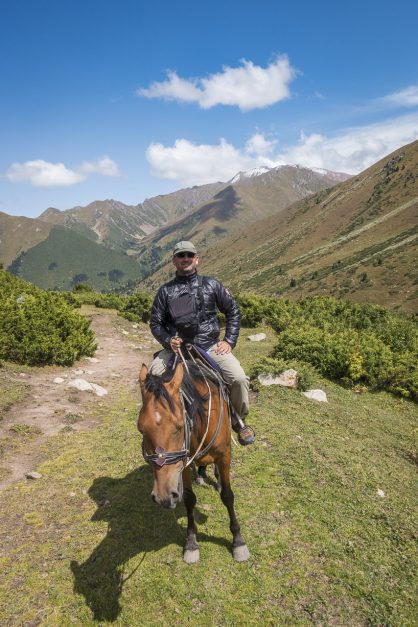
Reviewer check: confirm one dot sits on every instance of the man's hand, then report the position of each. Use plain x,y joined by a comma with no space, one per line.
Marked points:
175,343
223,348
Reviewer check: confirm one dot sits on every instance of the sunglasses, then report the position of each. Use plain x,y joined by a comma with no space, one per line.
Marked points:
183,255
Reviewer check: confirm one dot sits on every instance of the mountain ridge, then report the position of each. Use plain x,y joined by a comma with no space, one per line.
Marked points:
357,240
130,229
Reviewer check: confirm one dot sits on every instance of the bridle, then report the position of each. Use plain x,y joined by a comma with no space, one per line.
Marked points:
161,457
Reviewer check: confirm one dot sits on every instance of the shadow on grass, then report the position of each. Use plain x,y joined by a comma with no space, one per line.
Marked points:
135,525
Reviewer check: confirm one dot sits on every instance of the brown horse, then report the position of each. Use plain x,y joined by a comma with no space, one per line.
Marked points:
185,419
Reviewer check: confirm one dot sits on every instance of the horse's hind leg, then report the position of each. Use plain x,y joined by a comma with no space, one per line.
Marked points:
218,478
191,550
239,548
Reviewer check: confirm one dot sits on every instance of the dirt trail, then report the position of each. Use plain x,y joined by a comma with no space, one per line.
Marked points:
51,407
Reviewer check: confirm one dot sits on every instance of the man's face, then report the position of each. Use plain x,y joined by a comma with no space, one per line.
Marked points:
185,263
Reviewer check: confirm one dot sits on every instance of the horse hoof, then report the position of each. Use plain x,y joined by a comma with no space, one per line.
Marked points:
200,480
191,557
241,553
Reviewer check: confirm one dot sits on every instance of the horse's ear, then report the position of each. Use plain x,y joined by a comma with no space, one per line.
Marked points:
177,378
142,374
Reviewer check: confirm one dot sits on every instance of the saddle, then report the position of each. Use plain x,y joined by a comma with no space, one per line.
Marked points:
196,354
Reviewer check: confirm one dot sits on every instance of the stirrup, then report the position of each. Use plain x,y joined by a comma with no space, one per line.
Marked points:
246,436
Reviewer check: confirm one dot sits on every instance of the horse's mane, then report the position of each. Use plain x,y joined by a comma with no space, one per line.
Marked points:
193,400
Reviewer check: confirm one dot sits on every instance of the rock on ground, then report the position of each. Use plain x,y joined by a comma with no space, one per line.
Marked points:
33,475
258,337
288,378
316,395
86,386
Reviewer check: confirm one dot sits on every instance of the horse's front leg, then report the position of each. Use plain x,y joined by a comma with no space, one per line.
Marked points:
239,548
191,550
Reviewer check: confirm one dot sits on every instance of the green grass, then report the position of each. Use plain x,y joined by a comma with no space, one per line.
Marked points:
11,391
85,545
24,430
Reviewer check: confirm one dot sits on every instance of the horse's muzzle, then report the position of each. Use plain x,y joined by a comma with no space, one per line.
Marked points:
170,501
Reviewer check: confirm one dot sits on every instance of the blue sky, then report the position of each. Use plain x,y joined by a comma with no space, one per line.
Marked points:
130,99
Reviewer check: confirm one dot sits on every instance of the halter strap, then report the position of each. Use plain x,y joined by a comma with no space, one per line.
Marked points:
161,457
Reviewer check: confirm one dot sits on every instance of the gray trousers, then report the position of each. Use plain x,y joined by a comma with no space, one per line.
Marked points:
232,371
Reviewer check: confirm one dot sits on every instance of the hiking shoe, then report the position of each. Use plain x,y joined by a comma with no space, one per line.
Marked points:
246,436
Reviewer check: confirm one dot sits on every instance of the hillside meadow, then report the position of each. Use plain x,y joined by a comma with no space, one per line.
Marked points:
326,499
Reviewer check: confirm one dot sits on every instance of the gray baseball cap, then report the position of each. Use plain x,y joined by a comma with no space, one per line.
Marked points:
184,247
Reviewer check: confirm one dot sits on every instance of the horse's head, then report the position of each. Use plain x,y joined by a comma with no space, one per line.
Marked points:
161,423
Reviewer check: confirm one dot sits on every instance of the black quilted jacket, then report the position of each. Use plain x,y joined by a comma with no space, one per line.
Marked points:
216,298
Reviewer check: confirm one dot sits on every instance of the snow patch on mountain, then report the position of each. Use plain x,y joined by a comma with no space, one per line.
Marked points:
247,174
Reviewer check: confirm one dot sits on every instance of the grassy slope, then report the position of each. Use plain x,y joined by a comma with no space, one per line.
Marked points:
18,234
238,206
325,547
73,254
357,240
11,391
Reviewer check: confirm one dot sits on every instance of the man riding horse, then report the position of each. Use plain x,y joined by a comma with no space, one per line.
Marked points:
185,311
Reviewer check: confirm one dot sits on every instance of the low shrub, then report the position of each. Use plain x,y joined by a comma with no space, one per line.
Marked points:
39,327
350,342
71,299
110,301
137,308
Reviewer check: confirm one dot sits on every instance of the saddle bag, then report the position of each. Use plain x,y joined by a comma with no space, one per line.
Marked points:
186,311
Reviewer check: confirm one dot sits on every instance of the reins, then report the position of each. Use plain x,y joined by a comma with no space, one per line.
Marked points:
196,455
162,457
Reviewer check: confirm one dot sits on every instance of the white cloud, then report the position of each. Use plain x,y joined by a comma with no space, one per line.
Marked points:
192,164
104,166
351,150
41,173
259,146
405,98
247,87
175,88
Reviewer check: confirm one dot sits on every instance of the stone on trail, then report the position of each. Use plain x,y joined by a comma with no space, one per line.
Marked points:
92,360
316,395
33,475
86,386
80,384
58,380
78,371
288,378
258,337
98,390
